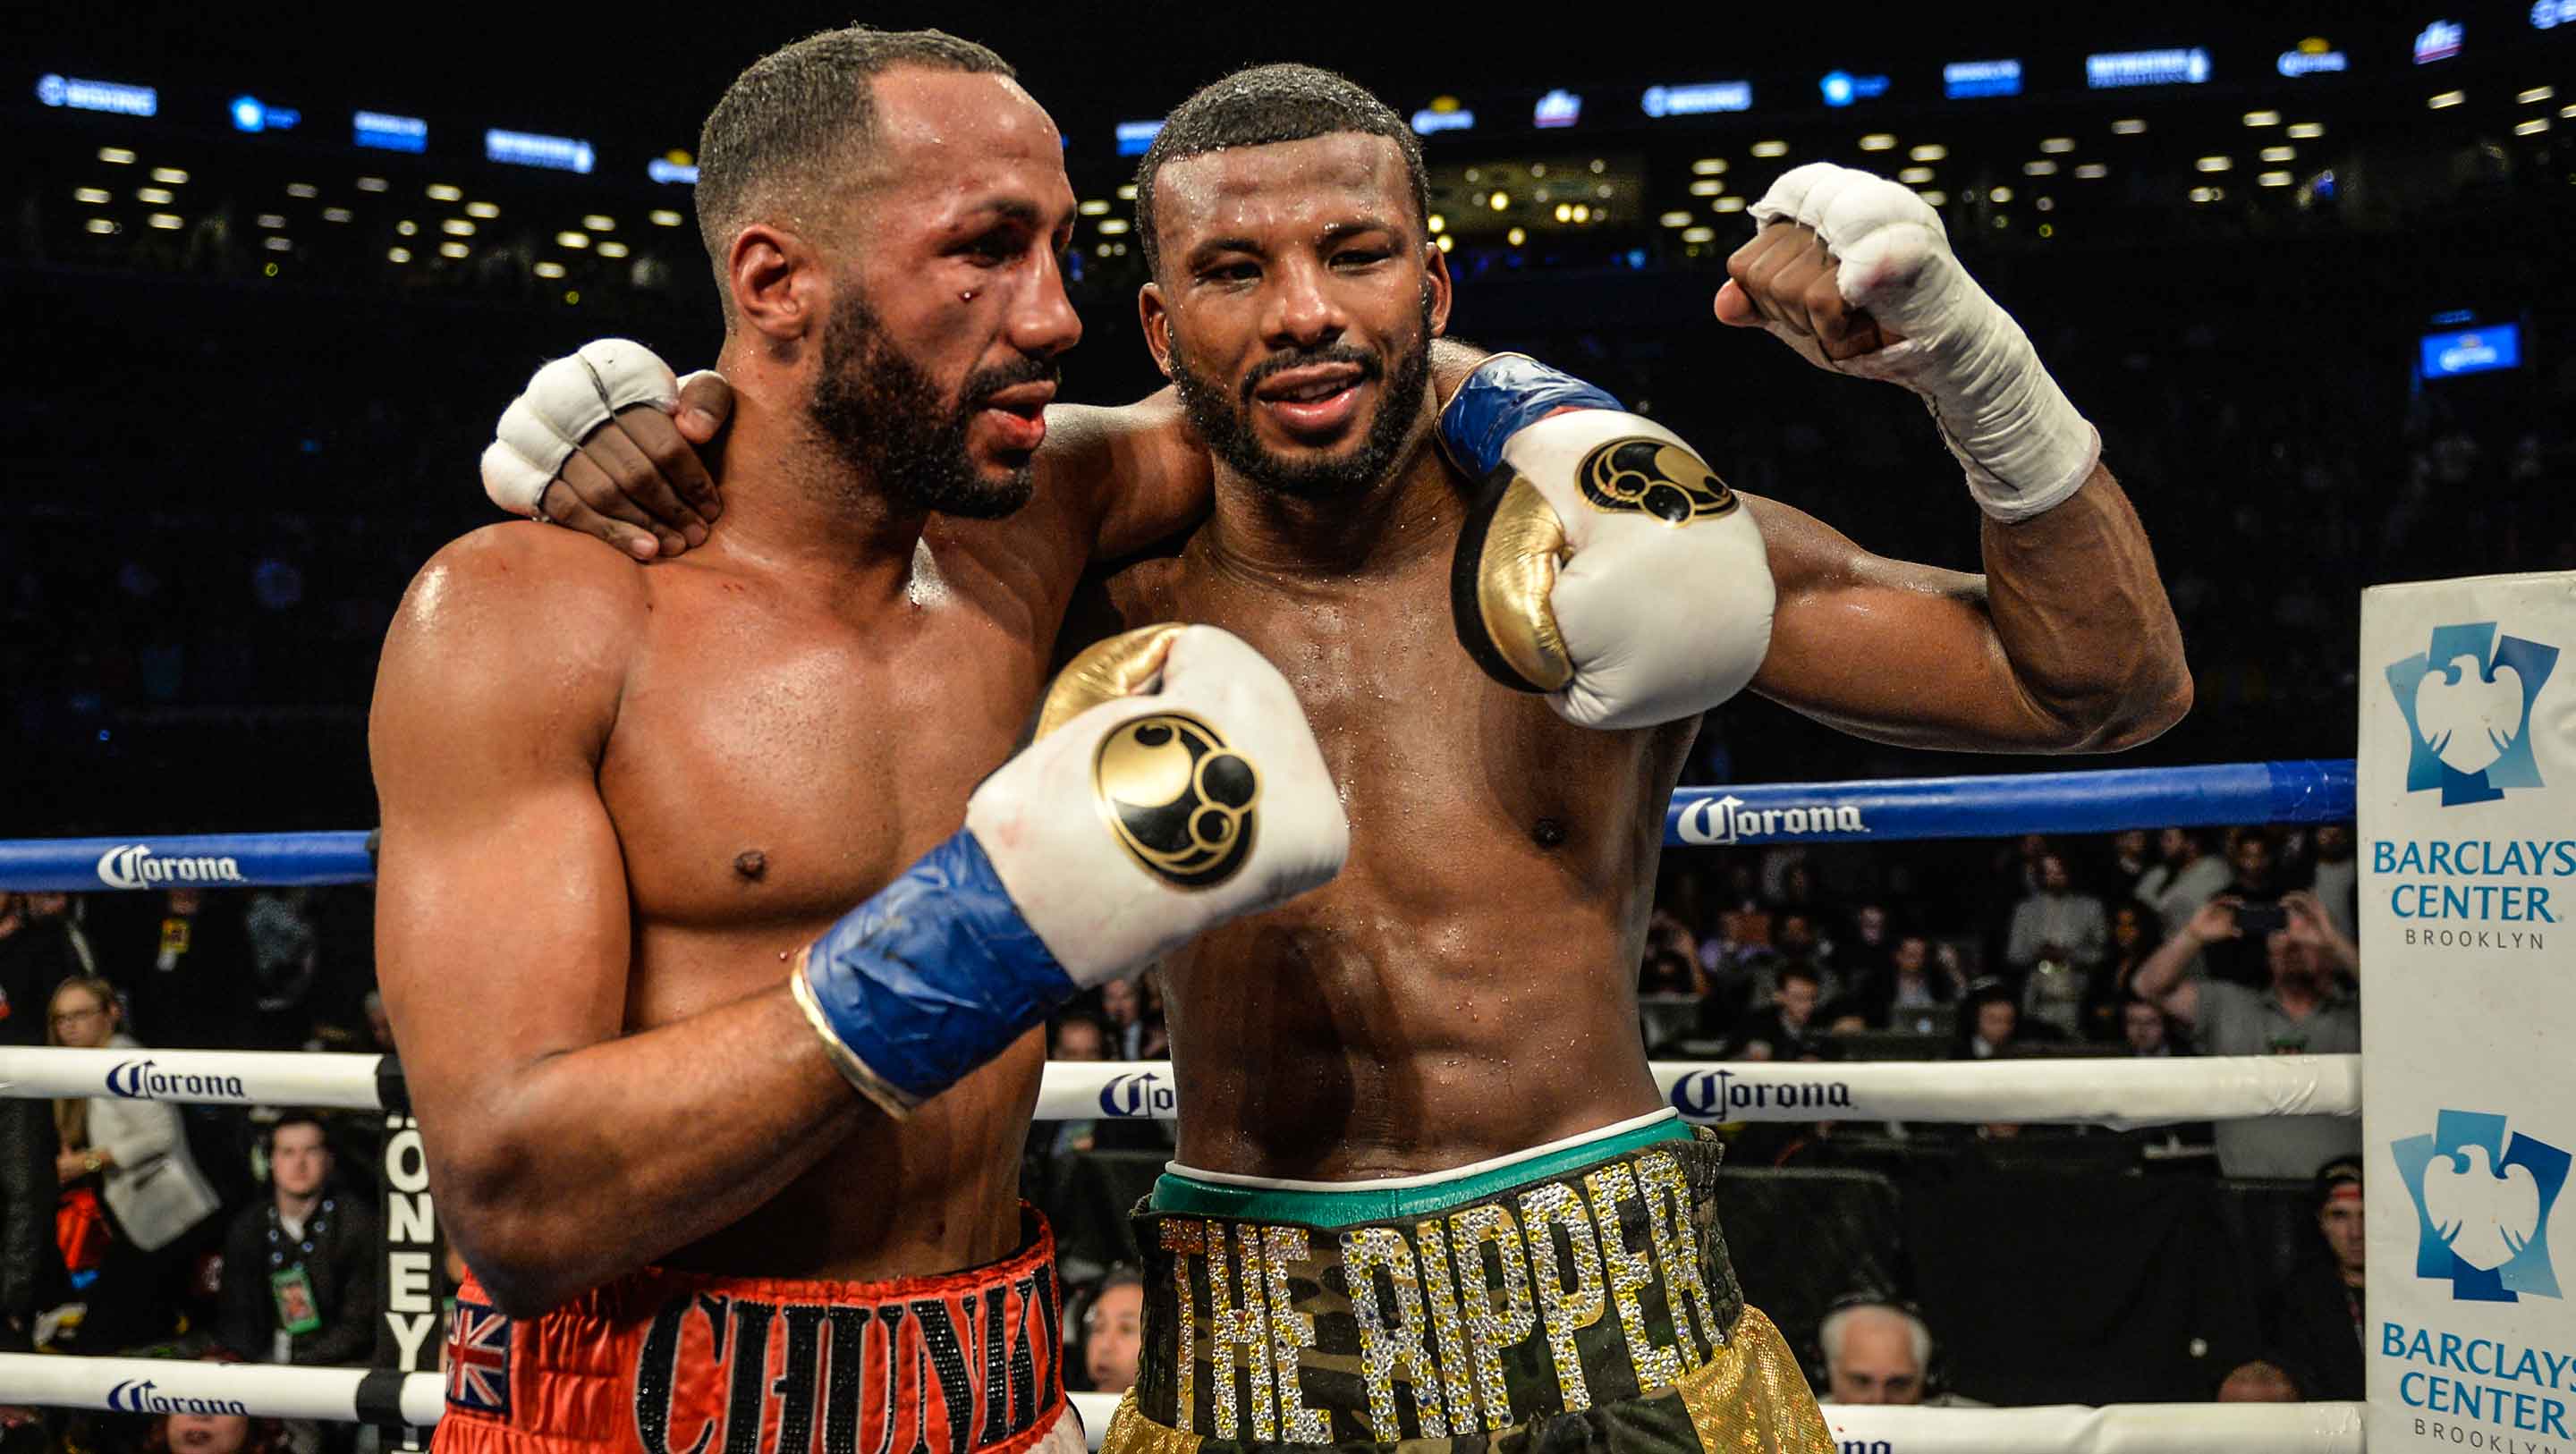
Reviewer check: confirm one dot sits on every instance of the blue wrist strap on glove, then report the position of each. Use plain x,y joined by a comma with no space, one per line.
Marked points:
916,988
1505,395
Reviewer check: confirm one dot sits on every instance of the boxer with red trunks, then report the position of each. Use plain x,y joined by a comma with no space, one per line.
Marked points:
734,1164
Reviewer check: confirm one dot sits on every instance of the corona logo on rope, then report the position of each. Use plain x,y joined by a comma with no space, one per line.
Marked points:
2467,699
137,1397
1142,1097
1711,1094
134,866
143,1080
1720,821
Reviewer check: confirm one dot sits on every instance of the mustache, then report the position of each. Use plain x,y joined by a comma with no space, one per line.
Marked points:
1371,367
985,383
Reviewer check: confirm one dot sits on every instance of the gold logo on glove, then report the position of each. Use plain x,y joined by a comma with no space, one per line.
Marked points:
1178,799
1653,477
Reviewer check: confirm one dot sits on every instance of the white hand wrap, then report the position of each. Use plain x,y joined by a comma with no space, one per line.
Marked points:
2023,445
563,403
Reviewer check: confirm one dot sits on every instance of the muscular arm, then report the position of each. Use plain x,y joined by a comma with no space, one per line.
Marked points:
565,1151
2159,981
2065,644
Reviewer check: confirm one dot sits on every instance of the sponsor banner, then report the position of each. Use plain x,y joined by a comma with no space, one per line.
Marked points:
2115,1093
193,1077
150,1386
184,861
2009,806
2467,830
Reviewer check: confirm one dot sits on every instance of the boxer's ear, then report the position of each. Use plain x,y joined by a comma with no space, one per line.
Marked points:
1436,287
777,280
1157,320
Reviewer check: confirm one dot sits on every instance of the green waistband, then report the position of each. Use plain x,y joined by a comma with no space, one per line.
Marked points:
1330,1209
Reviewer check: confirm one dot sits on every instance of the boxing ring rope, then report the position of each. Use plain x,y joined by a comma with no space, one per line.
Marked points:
1993,806
2120,1094
2114,1093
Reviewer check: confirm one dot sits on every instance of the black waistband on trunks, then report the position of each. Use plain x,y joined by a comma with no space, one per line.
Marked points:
1574,1289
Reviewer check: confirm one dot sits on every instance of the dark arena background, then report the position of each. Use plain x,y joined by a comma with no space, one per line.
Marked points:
268,275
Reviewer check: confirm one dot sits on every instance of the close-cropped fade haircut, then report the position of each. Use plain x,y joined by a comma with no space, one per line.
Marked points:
799,121
1263,106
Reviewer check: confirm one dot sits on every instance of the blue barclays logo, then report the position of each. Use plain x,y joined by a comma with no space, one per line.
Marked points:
2482,1205
2467,701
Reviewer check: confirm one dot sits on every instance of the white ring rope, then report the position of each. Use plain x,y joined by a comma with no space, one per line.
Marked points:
148,1386
2121,1094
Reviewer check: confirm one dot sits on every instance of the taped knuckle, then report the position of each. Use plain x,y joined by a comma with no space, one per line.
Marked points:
622,373
535,436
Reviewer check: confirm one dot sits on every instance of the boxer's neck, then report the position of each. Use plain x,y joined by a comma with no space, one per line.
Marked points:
1415,510
790,499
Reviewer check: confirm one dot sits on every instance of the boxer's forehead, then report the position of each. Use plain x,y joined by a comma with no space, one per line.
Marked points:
952,141
1289,187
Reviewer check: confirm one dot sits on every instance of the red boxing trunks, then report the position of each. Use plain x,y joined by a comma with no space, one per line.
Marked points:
689,1363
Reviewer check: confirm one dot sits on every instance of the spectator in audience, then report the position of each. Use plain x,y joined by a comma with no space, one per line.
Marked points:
1862,959
2131,861
215,1434
1991,1023
2237,958
1787,1029
1878,1353
189,994
2303,1012
2313,1324
35,955
1123,1002
1915,980
2057,939
2336,880
2134,936
302,1274
2148,1033
2185,879
133,1155
2258,1382
1111,1327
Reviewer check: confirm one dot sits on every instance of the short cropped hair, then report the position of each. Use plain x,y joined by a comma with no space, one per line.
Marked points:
1266,105
1829,1334
802,116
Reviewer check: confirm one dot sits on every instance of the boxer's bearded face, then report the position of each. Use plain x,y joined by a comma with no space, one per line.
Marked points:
883,414
1223,416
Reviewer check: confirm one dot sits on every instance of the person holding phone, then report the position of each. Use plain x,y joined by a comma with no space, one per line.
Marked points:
2311,1006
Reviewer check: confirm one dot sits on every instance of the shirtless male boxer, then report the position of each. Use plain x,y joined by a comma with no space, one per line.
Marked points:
1426,1186
733,1163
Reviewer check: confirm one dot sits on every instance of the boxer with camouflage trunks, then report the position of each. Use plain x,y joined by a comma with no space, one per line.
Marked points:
1426,1186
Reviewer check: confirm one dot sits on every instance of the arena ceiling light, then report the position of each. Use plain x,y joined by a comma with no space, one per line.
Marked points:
1499,201
1126,191
2262,118
1516,237
1934,199
1112,226
1444,242
1878,141
158,196
281,244
372,184
1930,151
1093,207
2206,194
305,190
1728,204
271,220
2273,179
2092,171
178,178
1914,176
2535,95
2445,100
2533,127
335,214
453,249
550,270
116,156
1699,234
94,196
2041,168
1770,148
406,227
457,227
1709,167
1437,223
1675,219
2569,111
2128,126
612,249
485,210
2306,130
1999,195
2280,153
103,227
572,239
446,192
2057,145
665,217
397,254
1707,187
164,221
2215,164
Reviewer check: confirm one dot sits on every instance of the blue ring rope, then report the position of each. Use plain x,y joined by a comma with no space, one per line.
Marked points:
1855,812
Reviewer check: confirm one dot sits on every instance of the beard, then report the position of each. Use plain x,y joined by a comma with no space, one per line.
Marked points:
1225,420
884,417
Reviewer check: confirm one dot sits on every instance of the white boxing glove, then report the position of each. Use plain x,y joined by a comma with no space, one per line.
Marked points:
1604,563
2022,443
564,401
1173,785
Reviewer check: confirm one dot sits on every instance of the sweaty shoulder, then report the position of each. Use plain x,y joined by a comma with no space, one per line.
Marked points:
1137,472
517,618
